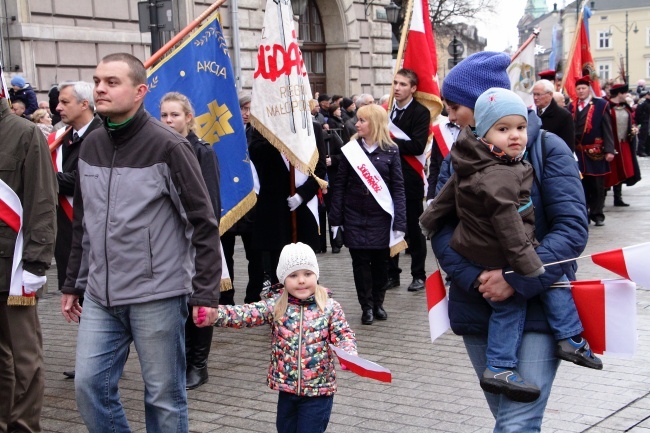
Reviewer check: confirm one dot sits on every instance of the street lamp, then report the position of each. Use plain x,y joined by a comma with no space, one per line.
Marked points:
299,7
627,48
392,12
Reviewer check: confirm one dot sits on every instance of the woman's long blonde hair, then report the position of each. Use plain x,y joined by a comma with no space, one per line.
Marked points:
377,117
185,103
283,302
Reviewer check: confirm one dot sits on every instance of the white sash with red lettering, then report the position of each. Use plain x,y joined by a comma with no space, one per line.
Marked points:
11,213
378,189
65,201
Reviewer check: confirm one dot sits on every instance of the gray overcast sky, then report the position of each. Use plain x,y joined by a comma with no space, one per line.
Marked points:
502,33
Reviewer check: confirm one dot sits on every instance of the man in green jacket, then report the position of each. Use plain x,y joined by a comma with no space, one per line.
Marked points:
27,231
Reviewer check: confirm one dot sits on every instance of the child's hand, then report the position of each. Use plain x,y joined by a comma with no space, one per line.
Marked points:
200,316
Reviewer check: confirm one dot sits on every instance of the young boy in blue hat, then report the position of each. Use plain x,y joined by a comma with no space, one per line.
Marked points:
490,193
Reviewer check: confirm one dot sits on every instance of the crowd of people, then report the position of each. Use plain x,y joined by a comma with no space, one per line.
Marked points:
135,234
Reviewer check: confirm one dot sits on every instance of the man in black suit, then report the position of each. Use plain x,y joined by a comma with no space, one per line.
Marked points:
413,119
554,118
76,108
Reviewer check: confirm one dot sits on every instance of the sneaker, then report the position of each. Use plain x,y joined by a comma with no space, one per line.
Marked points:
578,353
508,382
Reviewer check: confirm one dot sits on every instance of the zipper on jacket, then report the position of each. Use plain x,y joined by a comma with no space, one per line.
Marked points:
108,209
302,309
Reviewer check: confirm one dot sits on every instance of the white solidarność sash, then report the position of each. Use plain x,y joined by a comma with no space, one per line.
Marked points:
11,213
375,183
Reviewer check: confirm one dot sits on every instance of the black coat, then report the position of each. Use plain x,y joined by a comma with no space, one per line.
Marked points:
66,180
414,122
642,119
558,120
366,225
272,230
209,170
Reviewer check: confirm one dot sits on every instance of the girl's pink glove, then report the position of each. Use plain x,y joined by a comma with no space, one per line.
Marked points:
201,316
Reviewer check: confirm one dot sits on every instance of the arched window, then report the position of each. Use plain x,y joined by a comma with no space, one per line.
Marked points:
313,47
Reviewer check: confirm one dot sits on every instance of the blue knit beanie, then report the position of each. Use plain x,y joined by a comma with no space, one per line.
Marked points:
18,81
494,104
474,75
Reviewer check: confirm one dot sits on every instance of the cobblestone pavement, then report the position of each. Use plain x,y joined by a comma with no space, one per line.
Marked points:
434,388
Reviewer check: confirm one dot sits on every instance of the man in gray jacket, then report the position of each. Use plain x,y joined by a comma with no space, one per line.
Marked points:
27,230
145,243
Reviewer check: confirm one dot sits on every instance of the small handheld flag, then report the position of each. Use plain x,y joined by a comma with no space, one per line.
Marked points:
362,367
437,305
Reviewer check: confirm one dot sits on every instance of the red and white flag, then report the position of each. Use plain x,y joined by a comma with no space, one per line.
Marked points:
607,309
362,367
421,57
65,201
629,262
437,304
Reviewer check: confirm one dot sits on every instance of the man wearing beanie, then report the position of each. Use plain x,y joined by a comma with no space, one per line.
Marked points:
347,109
594,146
557,197
22,91
411,118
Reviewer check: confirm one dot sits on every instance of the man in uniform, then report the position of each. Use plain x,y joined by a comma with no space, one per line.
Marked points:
594,146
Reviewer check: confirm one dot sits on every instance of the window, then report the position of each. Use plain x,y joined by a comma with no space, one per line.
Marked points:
604,39
603,72
647,39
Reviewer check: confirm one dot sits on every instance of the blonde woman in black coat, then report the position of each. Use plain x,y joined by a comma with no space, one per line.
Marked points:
355,209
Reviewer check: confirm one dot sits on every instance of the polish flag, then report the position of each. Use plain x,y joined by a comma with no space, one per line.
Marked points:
437,305
629,262
607,309
362,367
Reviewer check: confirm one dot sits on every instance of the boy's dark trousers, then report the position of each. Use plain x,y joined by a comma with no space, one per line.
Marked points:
303,414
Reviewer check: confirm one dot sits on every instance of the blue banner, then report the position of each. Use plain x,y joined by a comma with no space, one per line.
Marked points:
200,69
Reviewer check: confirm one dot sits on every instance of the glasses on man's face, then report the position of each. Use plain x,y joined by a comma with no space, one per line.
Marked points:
539,95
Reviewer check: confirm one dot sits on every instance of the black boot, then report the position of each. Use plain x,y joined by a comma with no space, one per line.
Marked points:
197,354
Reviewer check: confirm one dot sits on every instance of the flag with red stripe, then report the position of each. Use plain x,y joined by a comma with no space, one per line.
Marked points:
629,262
437,305
362,367
65,201
607,309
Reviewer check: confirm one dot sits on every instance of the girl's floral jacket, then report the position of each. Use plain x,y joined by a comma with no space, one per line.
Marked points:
301,360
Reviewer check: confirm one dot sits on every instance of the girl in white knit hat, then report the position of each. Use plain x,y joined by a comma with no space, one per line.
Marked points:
304,322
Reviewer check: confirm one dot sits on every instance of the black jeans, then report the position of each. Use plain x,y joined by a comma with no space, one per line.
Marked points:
303,414
416,242
369,270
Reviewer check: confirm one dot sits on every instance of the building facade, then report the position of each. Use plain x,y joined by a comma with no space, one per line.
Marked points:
619,33
346,43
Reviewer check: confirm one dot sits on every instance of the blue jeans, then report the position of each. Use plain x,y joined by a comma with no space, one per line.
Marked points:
507,324
298,414
158,330
537,364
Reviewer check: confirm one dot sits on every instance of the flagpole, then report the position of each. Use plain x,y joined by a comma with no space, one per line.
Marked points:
530,39
292,192
402,42
56,143
573,49
559,262
180,35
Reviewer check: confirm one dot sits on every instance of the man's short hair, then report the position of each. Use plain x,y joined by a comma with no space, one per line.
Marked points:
410,75
81,90
361,99
137,71
323,97
546,85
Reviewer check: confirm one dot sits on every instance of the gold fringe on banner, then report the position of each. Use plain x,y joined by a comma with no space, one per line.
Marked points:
226,284
21,301
293,159
398,247
237,212
432,102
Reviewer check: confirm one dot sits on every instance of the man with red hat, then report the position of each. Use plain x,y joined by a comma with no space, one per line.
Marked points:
625,167
594,145
551,76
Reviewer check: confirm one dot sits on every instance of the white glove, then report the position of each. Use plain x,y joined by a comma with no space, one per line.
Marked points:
335,230
32,283
294,201
399,234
